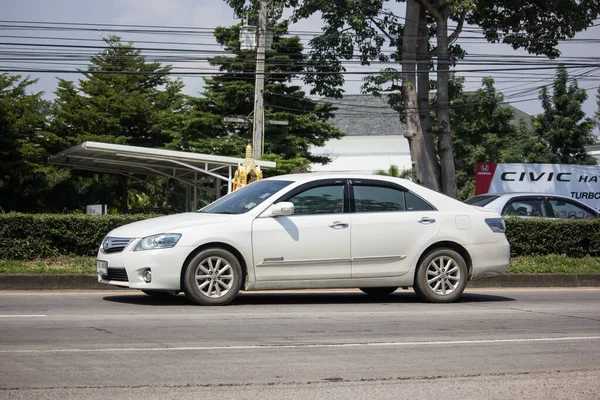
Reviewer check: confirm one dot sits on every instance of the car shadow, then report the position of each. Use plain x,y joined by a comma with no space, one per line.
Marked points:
283,297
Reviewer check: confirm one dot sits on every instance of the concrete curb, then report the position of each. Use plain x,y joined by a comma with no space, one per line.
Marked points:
90,282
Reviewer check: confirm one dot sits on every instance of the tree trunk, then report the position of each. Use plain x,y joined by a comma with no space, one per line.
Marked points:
423,67
423,164
445,151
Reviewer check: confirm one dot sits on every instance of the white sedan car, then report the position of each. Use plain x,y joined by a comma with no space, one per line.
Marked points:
305,231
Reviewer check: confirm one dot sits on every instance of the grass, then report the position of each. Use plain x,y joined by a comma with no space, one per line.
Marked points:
550,264
554,264
58,265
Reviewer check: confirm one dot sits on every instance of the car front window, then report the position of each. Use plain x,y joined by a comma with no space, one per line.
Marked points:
319,200
246,198
525,208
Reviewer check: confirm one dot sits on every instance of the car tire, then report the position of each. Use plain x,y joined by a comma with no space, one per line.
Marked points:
441,277
379,291
161,293
213,277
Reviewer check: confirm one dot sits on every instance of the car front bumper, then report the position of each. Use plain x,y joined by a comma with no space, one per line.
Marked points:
125,268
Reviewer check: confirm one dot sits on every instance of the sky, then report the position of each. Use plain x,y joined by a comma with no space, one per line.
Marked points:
522,93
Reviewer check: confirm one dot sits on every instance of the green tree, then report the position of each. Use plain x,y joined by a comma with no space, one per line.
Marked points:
483,130
121,99
394,171
26,180
562,130
232,94
368,29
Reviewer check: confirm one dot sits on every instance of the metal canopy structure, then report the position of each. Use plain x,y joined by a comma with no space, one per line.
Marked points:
125,160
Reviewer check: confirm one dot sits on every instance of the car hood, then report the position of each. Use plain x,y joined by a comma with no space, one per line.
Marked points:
167,224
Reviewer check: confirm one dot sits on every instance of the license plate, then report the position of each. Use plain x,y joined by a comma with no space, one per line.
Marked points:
102,267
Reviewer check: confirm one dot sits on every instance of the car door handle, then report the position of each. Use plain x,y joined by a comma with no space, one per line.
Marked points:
426,221
338,225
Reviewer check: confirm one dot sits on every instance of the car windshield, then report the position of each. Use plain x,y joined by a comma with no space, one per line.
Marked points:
246,198
480,201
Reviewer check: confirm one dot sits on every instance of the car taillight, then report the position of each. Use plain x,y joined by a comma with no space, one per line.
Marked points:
496,224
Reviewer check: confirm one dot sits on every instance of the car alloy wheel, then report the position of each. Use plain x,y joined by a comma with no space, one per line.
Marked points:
441,276
214,277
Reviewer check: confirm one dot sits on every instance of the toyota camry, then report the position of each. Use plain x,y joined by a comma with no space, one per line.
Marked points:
376,233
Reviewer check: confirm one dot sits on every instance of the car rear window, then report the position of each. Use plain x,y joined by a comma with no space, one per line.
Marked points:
481,201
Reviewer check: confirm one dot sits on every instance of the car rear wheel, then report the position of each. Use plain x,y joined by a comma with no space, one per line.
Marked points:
441,277
379,291
213,278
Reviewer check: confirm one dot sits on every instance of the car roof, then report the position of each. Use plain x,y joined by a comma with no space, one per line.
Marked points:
440,200
518,194
310,176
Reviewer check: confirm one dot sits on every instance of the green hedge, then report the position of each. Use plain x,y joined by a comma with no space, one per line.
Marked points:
536,236
31,236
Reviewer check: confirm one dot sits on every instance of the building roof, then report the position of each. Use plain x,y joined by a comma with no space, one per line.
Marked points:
368,115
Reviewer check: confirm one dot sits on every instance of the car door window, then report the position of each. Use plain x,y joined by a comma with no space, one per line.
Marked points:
415,203
566,209
525,208
319,200
378,199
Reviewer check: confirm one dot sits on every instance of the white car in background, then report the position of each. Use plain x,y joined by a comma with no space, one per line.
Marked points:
304,231
541,205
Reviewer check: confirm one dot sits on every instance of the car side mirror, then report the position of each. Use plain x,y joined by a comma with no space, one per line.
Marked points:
283,208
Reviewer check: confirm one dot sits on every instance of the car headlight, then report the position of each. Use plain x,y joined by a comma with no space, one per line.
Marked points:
161,241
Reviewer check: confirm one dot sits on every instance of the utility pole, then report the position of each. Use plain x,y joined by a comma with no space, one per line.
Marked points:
259,103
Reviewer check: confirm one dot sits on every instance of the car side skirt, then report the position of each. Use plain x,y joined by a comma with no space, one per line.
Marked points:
404,280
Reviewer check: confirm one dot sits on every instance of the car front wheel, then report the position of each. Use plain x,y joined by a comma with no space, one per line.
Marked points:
213,278
441,277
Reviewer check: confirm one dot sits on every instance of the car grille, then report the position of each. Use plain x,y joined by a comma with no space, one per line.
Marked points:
116,274
115,244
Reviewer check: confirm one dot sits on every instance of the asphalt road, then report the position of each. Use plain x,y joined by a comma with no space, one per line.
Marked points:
534,344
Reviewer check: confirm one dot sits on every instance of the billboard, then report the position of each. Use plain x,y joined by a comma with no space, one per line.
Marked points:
580,182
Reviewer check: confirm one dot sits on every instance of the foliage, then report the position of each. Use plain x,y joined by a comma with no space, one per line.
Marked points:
31,236
394,171
537,236
122,99
34,236
54,266
562,131
554,264
26,180
483,130
232,94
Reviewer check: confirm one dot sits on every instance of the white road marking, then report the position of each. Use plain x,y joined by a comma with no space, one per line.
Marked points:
307,345
23,316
